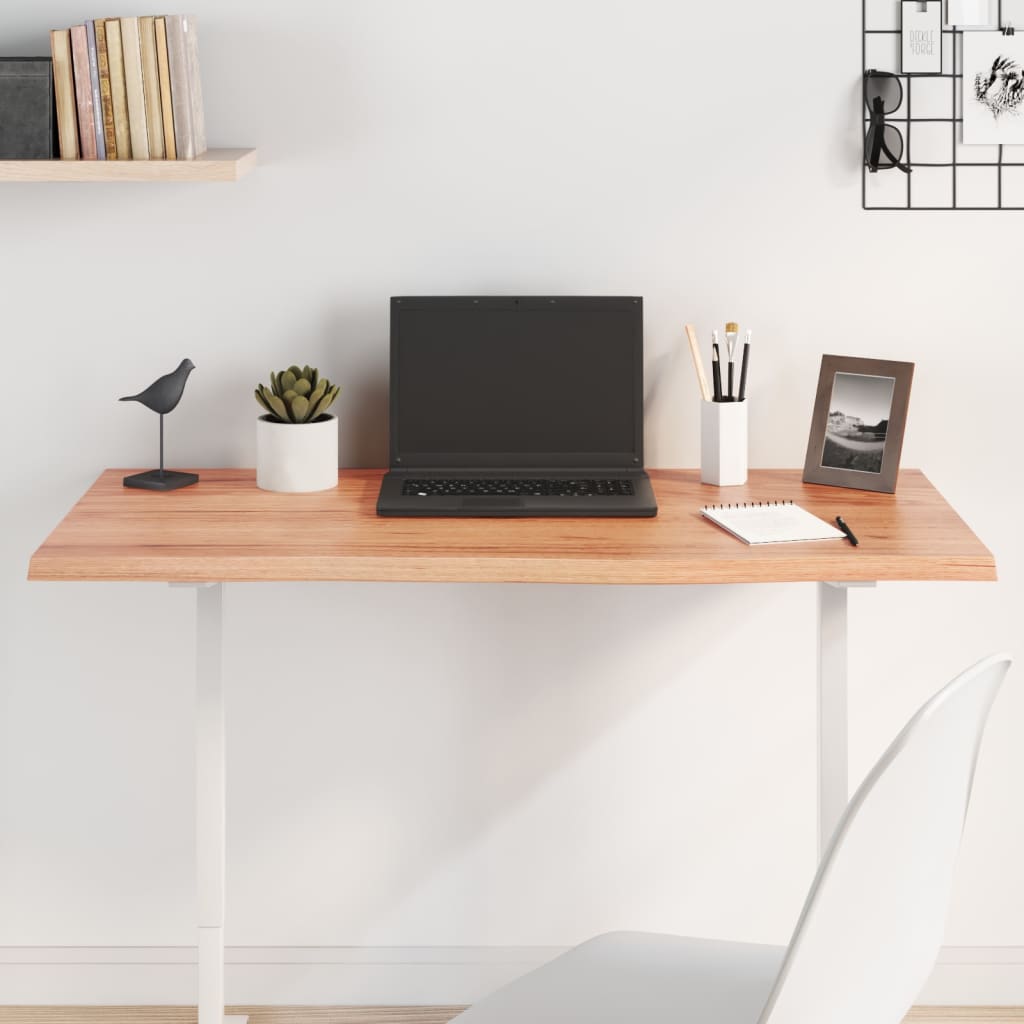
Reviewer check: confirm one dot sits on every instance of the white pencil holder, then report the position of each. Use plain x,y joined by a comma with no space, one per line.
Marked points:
723,443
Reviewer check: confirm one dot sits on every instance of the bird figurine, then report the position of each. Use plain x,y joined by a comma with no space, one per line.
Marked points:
165,392
163,396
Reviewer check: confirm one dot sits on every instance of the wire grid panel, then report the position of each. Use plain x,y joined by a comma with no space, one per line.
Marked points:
947,175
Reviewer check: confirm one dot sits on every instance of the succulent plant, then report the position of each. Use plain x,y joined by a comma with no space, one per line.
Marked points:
297,395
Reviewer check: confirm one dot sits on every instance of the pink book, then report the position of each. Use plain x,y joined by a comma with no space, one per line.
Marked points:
83,92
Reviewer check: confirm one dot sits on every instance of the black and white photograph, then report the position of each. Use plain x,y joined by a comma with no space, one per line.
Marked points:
858,420
860,414
993,84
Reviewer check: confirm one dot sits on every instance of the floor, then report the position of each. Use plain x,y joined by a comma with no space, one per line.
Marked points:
391,1015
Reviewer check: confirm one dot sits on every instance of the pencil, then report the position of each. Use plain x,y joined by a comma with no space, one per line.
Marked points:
698,363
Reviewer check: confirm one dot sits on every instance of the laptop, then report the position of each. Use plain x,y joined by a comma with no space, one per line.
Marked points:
518,406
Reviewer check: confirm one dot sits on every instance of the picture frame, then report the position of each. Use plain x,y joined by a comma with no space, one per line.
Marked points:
860,415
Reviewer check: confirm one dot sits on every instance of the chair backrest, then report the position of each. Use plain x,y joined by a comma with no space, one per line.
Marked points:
872,925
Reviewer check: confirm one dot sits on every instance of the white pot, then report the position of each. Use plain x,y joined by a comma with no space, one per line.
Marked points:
296,457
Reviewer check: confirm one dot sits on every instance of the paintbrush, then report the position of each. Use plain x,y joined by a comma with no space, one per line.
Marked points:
732,332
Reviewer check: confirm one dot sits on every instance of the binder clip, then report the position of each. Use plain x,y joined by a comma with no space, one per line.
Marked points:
1008,29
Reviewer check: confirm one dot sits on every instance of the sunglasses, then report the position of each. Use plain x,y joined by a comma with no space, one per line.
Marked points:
883,144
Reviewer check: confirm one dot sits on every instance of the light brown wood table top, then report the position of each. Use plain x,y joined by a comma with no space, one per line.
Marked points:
225,529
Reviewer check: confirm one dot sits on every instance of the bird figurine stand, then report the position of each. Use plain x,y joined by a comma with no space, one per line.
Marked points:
162,396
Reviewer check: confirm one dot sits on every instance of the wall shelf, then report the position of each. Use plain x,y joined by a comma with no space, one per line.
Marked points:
213,165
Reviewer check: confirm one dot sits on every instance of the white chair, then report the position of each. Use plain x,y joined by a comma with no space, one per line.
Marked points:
869,932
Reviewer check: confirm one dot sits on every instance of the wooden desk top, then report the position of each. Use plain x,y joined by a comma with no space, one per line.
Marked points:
225,529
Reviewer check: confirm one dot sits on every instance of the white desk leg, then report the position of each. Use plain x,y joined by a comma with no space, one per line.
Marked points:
210,803
833,719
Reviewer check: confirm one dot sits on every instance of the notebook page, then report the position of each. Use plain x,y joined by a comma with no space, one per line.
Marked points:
771,523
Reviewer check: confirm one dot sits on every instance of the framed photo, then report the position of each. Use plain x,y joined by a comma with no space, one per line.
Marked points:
859,418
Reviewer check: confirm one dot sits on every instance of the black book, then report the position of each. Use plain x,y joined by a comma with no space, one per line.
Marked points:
28,121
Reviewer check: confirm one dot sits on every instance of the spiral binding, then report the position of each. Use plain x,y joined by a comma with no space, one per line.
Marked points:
747,504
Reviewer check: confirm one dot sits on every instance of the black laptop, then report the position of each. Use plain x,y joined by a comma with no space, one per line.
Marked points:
516,407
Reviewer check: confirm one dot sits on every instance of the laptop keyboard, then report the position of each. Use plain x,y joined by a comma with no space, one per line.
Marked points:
483,487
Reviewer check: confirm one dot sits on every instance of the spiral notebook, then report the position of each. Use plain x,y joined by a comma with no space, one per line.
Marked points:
770,522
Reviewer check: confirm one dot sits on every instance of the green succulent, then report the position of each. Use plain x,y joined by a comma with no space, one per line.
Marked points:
297,395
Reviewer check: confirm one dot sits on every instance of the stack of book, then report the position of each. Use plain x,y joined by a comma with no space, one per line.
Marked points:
128,89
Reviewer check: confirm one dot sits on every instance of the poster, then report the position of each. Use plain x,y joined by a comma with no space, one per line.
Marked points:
993,83
921,29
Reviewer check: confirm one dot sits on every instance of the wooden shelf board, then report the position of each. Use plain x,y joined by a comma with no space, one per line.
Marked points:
213,165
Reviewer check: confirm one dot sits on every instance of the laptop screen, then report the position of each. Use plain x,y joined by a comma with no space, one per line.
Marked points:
505,382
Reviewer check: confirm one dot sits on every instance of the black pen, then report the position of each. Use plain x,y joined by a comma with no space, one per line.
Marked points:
849,533
743,367
716,371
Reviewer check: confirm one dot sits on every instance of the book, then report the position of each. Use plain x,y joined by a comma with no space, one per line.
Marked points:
83,93
771,522
118,90
195,84
106,100
164,74
94,82
151,87
181,102
136,92
64,93
186,93
27,122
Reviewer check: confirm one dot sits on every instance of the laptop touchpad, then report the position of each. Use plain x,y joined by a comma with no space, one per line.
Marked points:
485,503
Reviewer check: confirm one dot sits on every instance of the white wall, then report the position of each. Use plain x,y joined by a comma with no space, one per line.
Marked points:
414,765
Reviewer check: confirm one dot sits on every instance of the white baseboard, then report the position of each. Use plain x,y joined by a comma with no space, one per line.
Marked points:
976,976
338,976
303,975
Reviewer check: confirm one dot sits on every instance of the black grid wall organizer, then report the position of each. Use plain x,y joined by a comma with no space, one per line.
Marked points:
947,175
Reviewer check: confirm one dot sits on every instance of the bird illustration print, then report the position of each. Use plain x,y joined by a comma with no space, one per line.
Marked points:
1001,88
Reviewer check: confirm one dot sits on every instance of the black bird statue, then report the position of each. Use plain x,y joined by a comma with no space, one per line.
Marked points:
162,396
